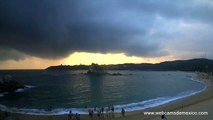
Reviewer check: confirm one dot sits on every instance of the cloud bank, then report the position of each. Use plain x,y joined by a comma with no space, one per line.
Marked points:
54,29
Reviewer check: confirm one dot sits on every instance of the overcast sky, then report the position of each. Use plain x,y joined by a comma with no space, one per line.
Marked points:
53,29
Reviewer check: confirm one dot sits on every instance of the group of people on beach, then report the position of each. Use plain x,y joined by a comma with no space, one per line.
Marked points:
99,112
73,117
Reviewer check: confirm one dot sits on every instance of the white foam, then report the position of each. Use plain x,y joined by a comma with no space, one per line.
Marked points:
2,94
25,88
154,102
29,86
128,107
20,90
58,111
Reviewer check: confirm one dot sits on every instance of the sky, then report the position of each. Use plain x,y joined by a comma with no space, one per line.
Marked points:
35,34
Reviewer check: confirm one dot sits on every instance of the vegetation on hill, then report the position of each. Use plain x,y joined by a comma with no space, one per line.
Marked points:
202,65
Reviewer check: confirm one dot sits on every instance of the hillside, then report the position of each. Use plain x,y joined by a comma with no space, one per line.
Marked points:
201,64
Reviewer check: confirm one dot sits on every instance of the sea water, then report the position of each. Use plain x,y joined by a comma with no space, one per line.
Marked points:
59,92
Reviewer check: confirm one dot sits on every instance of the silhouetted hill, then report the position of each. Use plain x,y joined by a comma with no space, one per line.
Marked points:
201,64
68,67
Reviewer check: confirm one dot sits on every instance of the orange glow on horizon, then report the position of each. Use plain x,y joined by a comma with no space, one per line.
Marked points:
109,58
78,58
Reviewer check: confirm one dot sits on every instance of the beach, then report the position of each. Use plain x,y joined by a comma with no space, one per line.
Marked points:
201,102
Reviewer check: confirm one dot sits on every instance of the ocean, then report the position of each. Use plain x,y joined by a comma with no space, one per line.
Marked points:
56,93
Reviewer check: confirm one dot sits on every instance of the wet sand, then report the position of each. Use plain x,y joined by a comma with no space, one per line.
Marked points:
201,102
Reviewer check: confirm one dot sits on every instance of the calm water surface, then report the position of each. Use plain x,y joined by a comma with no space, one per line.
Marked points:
63,91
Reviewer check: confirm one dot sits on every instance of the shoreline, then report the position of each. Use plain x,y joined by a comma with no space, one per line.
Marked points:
171,106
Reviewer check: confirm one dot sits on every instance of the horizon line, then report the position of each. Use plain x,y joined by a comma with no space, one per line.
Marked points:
104,64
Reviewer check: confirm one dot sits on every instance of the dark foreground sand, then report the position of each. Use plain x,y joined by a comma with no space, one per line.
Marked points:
202,102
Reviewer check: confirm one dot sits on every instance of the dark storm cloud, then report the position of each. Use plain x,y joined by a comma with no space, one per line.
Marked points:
6,54
56,28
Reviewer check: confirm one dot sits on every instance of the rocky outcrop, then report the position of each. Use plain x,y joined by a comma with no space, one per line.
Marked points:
95,69
8,84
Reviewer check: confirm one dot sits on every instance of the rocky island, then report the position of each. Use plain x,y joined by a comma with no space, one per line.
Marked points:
95,69
8,84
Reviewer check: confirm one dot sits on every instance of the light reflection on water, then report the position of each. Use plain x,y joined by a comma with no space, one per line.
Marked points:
71,90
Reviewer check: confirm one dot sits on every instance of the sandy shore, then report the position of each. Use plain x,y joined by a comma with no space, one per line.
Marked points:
201,102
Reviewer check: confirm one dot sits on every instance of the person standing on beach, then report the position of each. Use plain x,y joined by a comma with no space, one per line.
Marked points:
123,112
99,113
102,109
70,115
163,117
77,116
112,108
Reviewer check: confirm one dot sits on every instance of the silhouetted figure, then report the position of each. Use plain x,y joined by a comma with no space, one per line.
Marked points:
49,108
112,108
163,117
91,112
70,112
99,113
70,115
123,112
77,116
6,114
102,109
